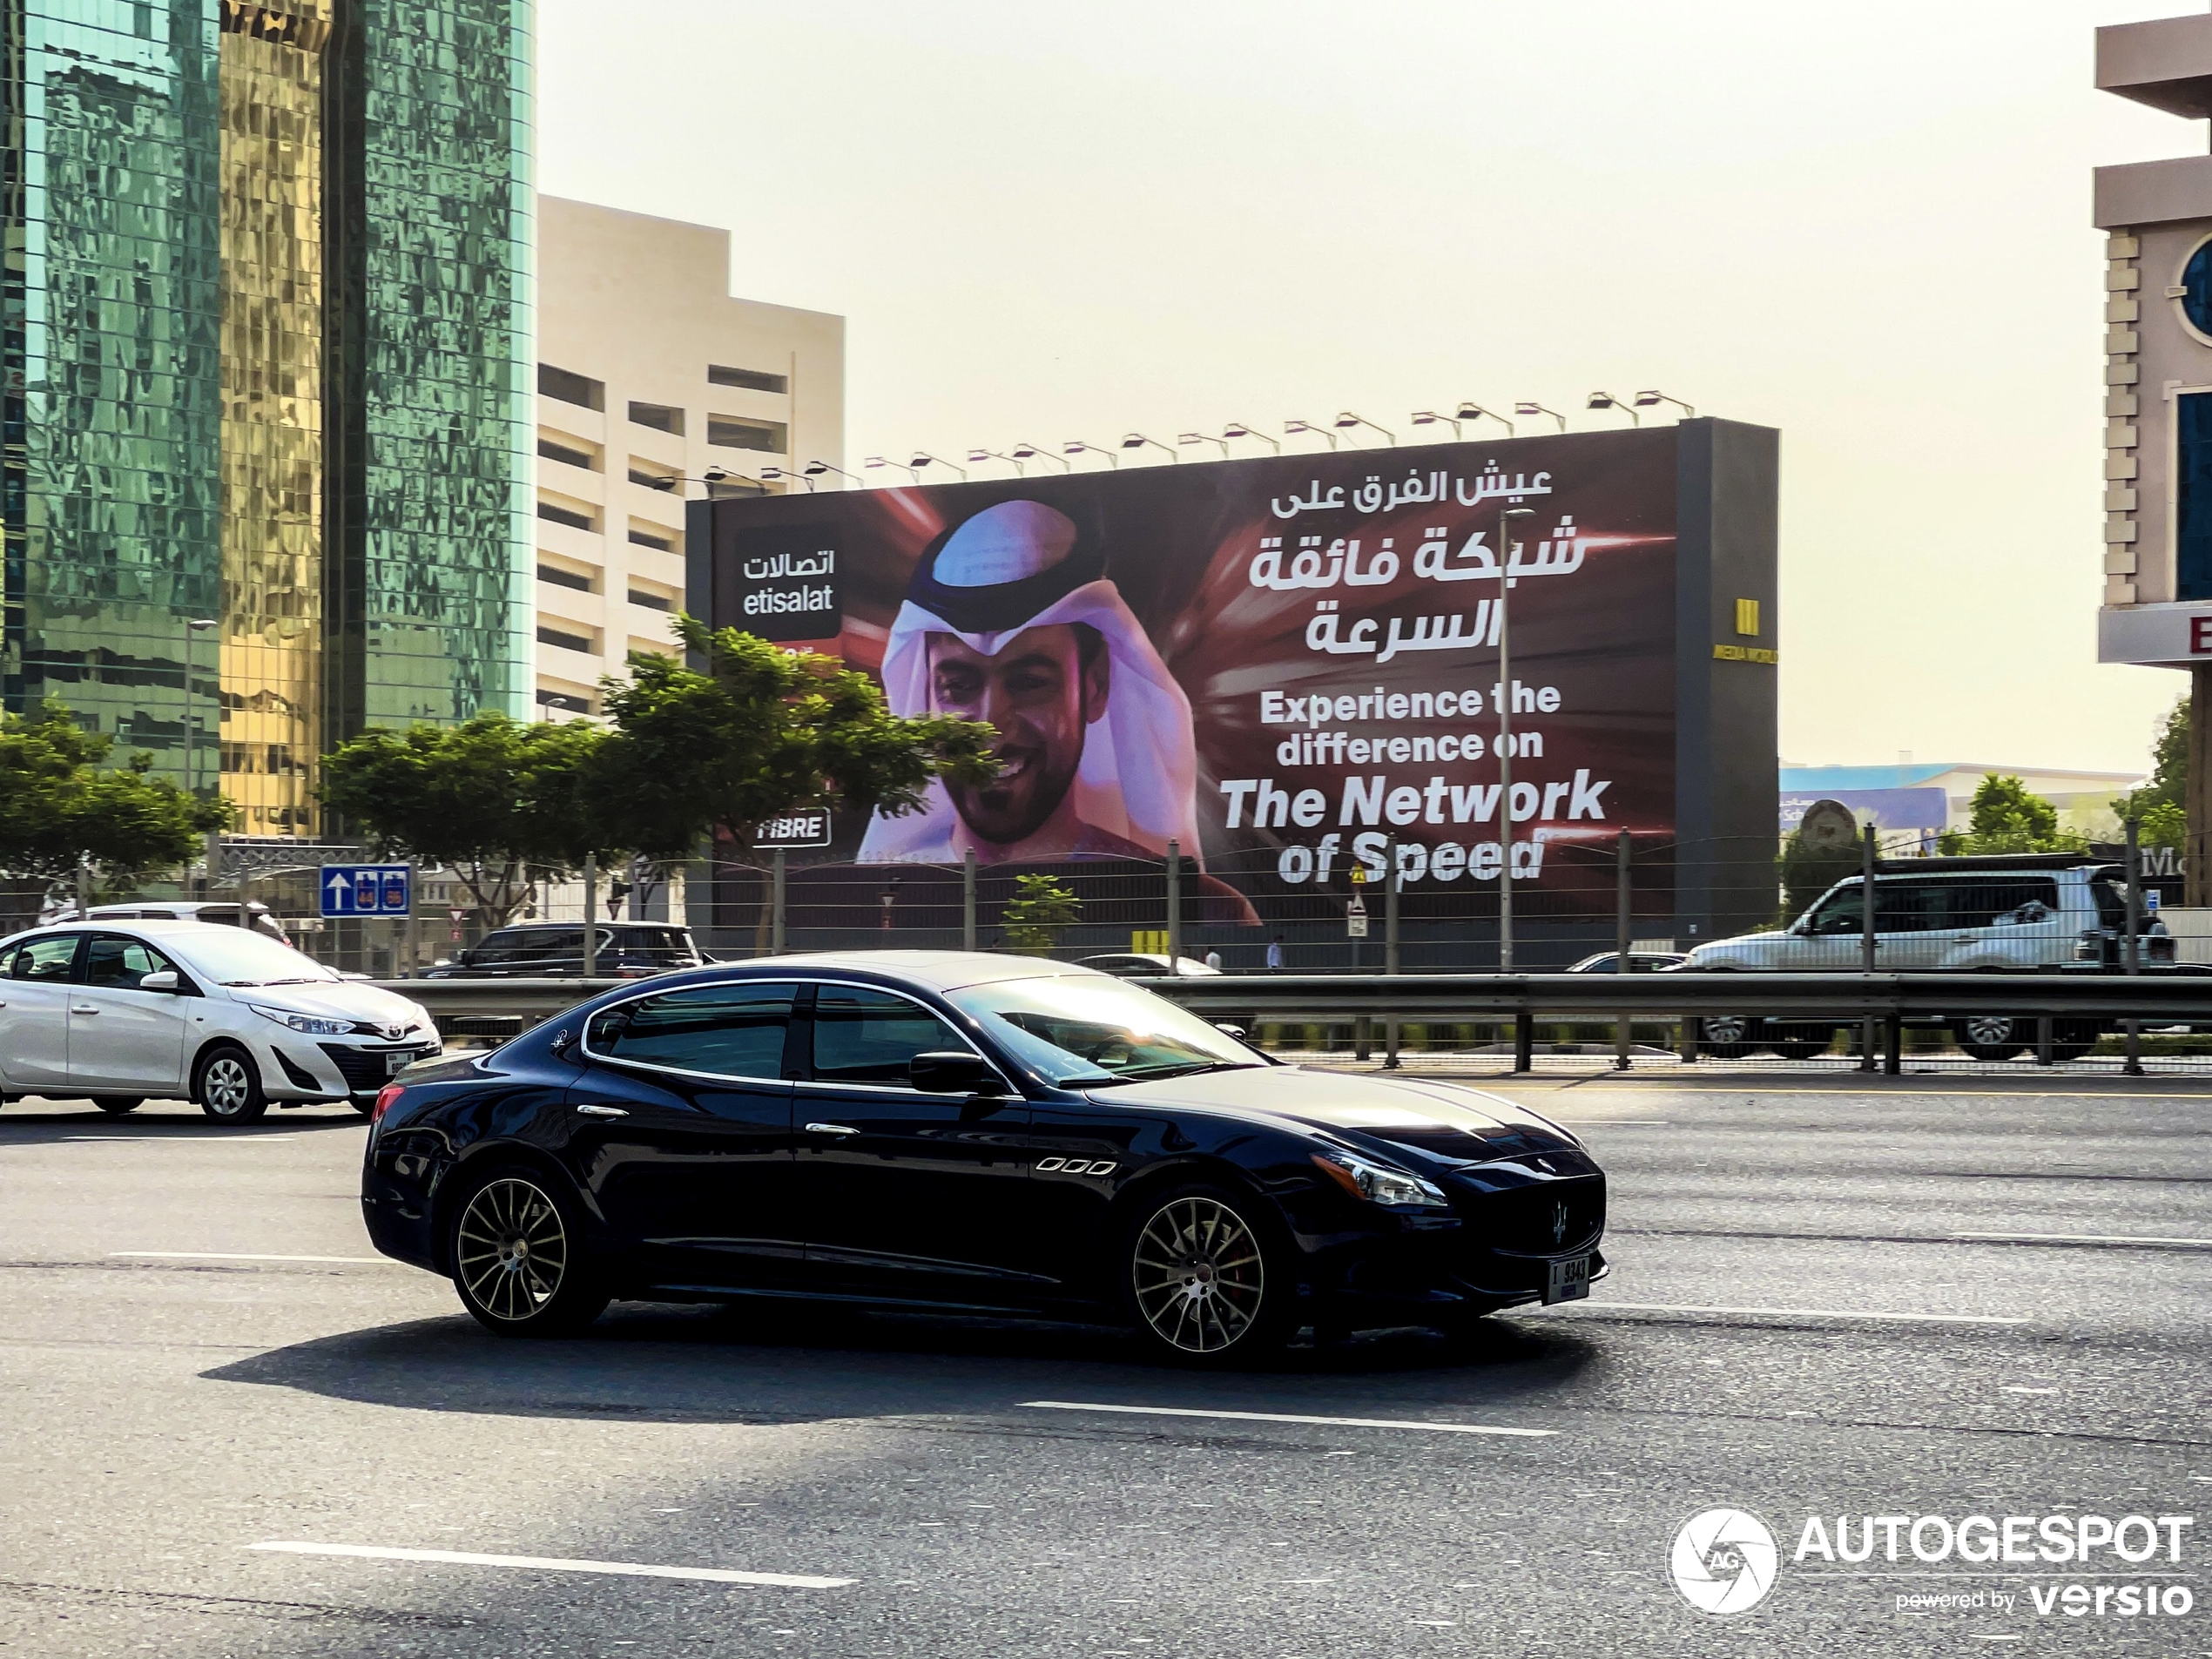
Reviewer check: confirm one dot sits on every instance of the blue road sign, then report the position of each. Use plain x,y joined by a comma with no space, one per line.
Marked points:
367,889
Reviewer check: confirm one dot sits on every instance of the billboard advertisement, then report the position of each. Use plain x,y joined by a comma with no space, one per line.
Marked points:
1285,666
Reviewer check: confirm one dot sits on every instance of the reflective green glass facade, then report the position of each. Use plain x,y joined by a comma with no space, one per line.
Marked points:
265,331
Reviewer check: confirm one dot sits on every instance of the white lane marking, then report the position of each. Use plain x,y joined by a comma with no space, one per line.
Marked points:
551,1564
241,1255
2015,1388
1801,1313
2083,1239
1286,1417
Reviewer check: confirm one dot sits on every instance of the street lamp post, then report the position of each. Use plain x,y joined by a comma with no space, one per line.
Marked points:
1246,429
1508,524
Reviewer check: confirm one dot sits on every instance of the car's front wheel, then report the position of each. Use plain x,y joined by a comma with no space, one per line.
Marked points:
227,1085
1204,1280
519,1258
1994,1036
1725,1036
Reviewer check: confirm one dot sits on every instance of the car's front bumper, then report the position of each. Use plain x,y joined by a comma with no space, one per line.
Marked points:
298,1068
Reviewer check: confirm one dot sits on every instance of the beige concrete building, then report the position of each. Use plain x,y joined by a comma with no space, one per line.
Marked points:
650,377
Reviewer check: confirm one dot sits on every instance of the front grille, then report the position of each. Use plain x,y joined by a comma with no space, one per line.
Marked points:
1547,1218
364,1069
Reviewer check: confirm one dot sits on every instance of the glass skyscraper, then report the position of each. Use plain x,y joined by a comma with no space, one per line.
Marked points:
265,357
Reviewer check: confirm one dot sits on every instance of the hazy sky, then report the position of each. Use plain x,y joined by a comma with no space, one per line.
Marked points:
1868,226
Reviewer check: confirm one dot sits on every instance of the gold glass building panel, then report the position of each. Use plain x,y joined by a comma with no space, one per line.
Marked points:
271,89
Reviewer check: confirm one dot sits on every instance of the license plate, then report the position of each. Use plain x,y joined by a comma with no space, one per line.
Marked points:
1570,1280
397,1062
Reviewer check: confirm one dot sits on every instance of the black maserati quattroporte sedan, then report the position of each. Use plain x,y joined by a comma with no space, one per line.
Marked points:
965,1133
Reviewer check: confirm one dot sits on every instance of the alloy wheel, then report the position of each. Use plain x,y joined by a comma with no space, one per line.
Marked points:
1990,1030
512,1251
1727,1028
1198,1275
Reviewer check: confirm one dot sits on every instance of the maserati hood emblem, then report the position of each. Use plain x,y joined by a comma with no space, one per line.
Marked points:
1559,1222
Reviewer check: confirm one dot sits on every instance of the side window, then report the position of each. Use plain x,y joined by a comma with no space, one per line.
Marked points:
868,1037
1908,906
551,944
118,964
728,1030
43,958
1838,913
496,948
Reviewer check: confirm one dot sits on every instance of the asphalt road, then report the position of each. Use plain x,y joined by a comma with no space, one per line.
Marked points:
199,1354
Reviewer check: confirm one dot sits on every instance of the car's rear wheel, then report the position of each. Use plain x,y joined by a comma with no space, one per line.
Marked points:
1725,1036
519,1258
1992,1037
1203,1278
117,1105
227,1085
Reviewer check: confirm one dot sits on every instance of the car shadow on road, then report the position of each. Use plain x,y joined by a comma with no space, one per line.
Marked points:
52,1121
654,1363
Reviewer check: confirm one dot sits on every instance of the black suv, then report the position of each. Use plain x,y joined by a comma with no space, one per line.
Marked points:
555,950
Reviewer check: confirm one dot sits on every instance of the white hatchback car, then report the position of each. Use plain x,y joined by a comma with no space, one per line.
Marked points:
122,1012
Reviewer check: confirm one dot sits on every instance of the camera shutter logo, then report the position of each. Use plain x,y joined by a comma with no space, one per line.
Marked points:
1723,1561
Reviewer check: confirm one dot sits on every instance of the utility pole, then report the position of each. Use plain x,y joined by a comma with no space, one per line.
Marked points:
1508,522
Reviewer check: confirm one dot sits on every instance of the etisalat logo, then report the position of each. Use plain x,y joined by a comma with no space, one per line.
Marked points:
1725,1561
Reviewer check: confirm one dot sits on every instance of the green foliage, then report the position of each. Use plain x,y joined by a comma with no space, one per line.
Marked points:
764,731
62,806
2169,772
1809,871
1040,907
503,804
2005,818
2165,824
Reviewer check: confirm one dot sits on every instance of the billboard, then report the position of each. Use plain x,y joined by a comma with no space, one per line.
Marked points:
1286,665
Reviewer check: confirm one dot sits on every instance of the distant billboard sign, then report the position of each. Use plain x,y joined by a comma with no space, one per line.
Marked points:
1283,666
1886,809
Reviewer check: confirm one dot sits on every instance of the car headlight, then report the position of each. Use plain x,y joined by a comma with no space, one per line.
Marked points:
306,1024
1378,1183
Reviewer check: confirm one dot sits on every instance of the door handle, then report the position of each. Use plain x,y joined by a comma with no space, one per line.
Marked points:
84,1010
603,1111
830,1129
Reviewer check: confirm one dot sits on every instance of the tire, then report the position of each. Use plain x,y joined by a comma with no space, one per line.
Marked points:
117,1105
227,1084
1992,1037
515,1240
2071,1039
1725,1036
1205,1277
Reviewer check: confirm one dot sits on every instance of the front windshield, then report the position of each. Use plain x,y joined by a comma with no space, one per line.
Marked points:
1082,1029
234,957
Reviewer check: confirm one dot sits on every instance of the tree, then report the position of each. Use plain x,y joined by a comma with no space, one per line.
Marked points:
2169,770
761,733
2005,818
503,804
2165,824
1810,869
63,807
1040,907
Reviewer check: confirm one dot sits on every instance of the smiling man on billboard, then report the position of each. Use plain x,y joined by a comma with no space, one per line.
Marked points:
1010,620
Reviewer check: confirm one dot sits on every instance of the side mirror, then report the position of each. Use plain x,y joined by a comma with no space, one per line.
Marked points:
1236,1031
954,1072
163,980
